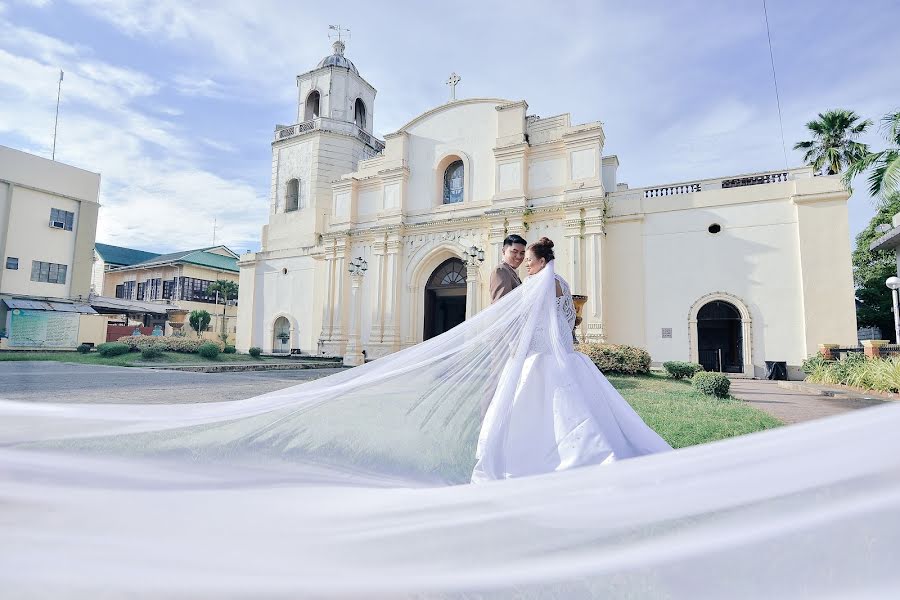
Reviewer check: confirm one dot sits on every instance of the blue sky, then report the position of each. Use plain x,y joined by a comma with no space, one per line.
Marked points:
174,103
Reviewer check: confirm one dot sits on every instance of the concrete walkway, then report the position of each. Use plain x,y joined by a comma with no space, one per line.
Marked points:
795,406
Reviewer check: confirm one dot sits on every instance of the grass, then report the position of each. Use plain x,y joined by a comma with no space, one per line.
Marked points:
685,417
133,359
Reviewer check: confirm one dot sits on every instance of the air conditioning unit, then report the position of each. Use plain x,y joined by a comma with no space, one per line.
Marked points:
58,224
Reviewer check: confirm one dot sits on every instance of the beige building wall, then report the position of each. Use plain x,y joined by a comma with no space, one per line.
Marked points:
30,187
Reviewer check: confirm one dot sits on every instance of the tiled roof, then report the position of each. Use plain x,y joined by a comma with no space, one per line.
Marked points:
120,256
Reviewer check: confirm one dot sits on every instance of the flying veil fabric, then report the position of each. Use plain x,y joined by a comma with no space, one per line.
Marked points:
338,489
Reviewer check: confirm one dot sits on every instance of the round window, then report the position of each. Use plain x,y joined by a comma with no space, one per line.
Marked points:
714,228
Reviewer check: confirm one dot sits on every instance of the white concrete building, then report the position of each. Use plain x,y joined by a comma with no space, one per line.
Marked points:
48,222
731,271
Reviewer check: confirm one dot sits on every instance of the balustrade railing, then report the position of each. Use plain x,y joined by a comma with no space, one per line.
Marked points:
345,128
755,180
672,190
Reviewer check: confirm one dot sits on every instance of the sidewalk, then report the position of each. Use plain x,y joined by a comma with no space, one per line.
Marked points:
795,405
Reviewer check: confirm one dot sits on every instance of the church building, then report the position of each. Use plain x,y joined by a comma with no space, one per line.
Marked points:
372,246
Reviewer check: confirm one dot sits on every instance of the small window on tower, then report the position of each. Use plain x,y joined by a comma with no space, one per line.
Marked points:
292,195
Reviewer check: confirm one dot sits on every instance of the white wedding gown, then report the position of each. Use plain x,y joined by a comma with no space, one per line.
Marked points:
563,413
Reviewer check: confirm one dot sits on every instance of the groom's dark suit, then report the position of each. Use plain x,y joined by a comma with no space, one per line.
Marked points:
504,279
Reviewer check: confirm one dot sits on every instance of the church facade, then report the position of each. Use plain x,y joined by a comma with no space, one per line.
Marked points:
375,246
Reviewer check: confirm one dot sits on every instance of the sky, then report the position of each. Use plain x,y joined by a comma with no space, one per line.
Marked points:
175,102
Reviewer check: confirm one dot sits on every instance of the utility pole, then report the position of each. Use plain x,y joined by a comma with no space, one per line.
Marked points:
56,122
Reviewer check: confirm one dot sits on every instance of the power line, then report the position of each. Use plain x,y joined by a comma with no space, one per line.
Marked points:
775,81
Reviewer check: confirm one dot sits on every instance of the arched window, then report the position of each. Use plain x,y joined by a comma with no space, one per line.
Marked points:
292,195
312,106
359,113
453,183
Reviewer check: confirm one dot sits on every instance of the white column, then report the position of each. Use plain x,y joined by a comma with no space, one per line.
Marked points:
377,269
594,261
575,263
471,290
391,334
353,356
325,335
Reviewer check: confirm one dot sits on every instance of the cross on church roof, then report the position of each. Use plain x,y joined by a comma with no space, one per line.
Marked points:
454,79
339,30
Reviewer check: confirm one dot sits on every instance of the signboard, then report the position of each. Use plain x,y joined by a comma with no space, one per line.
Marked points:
42,329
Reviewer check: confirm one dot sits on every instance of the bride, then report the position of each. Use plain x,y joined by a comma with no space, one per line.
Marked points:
562,412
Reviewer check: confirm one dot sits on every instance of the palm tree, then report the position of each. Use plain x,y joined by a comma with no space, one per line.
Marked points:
834,144
884,180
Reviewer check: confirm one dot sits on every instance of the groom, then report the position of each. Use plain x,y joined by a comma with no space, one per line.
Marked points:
504,277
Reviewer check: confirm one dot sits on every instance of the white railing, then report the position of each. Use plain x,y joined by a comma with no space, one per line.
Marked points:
326,124
683,188
724,183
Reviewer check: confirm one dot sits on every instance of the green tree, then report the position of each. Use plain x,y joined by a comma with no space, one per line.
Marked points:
834,146
884,178
199,320
871,268
228,290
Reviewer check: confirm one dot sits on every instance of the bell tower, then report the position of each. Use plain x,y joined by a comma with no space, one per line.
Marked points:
332,133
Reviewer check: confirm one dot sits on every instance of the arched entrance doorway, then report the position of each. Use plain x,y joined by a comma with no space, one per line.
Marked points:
720,337
445,298
281,338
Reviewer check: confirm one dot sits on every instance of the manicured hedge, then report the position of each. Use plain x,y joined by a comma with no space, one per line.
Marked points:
711,384
679,369
617,358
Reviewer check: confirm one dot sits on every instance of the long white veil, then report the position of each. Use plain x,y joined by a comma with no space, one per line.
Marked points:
335,489
412,416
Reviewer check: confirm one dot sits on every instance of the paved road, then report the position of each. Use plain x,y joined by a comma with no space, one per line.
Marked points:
63,382
792,406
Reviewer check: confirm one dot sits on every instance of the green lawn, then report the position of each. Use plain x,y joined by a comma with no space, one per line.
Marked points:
133,359
684,417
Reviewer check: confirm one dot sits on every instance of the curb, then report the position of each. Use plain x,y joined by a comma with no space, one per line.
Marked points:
238,367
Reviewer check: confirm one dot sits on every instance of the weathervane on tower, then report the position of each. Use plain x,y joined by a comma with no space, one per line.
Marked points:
338,45
454,79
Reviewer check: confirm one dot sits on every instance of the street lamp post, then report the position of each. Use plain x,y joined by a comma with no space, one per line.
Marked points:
475,258
354,356
894,284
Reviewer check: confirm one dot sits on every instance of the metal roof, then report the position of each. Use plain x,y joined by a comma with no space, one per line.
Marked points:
119,255
108,305
49,305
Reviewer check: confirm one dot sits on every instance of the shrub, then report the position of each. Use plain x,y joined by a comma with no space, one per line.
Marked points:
151,352
228,349
199,320
113,349
614,358
167,343
812,363
711,384
255,352
679,369
208,350
881,374
84,348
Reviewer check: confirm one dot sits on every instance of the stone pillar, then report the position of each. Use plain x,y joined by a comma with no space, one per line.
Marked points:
353,355
594,288
872,348
825,350
472,284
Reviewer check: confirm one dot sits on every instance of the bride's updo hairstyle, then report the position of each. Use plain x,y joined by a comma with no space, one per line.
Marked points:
543,248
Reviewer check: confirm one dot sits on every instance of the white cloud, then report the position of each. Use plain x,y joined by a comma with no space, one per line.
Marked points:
153,194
